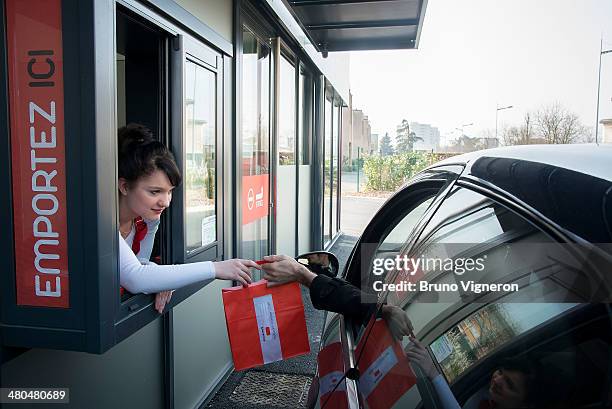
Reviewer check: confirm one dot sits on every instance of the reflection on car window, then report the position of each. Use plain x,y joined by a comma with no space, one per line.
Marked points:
481,223
486,330
396,239
392,245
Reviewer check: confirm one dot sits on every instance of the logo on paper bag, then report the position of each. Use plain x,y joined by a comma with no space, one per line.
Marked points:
375,372
268,329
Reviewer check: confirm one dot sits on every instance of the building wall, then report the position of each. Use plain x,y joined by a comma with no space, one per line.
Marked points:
362,133
217,14
130,375
430,135
607,130
199,321
347,136
356,133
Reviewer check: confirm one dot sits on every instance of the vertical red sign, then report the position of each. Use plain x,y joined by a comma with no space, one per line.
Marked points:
254,197
36,105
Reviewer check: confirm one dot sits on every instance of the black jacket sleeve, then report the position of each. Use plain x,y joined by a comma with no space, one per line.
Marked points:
337,295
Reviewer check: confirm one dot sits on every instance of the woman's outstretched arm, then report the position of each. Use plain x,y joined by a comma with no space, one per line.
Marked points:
151,278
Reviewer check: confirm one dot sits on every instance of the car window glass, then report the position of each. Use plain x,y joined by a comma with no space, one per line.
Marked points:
470,334
388,247
492,326
400,233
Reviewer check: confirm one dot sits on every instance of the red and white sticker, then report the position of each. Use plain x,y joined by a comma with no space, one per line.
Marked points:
328,383
38,163
255,197
377,371
268,329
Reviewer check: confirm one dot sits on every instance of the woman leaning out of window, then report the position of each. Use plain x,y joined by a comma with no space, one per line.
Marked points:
147,176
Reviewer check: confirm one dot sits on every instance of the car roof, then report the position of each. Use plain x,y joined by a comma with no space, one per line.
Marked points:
570,185
590,159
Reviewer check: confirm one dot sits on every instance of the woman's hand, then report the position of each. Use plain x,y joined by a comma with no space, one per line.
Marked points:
284,269
161,299
235,269
418,354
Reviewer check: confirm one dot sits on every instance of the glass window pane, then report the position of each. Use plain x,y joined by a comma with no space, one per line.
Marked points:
254,152
335,170
478,335
286,119
200,159
327,161
305,117
286,201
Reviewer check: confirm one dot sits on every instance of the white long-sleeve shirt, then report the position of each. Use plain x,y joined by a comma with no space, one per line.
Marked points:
448,400
138,275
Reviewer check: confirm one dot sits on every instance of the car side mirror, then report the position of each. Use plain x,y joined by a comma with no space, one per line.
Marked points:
320,262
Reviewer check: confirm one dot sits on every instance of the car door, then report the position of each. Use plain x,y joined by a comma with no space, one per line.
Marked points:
546,322
399,218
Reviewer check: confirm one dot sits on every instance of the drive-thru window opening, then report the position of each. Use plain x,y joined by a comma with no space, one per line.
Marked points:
141,91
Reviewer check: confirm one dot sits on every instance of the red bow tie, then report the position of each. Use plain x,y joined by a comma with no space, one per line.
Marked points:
141,232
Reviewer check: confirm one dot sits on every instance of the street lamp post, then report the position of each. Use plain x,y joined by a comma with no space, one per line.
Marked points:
601,52
497,109
463,126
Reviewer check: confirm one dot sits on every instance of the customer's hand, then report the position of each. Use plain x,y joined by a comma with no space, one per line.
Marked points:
398,321
417,353
284,269
161,299
235,269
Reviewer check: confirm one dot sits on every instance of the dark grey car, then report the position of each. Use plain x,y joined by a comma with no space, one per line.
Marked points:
539,218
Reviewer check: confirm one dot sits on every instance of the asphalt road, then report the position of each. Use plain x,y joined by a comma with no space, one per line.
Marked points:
357,211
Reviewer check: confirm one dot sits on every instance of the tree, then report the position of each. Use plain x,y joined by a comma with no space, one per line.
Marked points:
404,138
589,136
385,145
555,124
468,144
520,135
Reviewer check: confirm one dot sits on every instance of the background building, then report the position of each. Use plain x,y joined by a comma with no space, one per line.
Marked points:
430,137
607,130
374,139
357,134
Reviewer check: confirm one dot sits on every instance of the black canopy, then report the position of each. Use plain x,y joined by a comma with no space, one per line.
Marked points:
345,25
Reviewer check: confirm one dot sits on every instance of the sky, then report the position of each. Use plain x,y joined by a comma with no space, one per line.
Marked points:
475,55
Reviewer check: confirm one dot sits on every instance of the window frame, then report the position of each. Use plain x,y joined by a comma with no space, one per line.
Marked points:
441,179
206,58
178,47
521,210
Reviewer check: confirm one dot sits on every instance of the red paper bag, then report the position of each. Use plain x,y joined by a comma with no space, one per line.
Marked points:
331,373
385,372
265,324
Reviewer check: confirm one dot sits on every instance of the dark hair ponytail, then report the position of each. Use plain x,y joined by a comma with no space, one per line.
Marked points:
140,154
